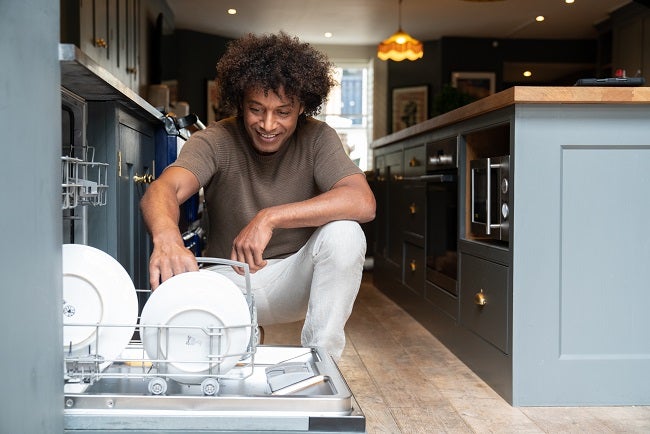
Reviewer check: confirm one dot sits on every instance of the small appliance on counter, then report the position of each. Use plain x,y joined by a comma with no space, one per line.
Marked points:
490,201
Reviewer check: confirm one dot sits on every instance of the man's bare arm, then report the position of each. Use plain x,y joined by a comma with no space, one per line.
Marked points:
160,210
349,199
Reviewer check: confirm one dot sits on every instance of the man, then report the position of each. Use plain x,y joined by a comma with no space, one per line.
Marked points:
281,193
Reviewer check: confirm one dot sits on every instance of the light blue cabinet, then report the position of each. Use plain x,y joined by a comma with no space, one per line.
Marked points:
556,315
581,252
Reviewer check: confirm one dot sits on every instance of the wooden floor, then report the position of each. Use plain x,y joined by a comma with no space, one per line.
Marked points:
406,381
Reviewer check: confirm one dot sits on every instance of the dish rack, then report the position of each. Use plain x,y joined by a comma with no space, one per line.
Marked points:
83,182
135,363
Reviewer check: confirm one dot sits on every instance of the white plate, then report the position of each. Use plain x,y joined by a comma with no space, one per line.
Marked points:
189,306
96,290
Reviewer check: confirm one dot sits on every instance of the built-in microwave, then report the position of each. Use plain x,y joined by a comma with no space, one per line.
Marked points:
490,198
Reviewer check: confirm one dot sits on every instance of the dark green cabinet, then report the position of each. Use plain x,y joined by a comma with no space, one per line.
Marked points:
126,142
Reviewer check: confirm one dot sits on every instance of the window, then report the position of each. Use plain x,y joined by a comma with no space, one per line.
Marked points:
349,107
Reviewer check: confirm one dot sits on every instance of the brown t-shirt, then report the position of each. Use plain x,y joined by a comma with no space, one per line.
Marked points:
238,181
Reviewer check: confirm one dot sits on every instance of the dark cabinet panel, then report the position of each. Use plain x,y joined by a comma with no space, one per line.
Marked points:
412,205
413,268
126,143
414,161
135,159
484,299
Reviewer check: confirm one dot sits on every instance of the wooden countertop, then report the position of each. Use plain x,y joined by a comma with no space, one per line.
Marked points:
525,95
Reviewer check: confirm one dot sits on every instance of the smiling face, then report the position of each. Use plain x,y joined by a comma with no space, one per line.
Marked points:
270,119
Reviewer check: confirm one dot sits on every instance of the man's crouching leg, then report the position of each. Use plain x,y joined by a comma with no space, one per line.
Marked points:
338,252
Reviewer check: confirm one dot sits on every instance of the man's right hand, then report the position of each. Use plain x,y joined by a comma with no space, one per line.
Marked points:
169,259
160,211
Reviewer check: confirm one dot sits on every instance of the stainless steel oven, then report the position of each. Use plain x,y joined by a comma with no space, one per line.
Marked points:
490,201
442,214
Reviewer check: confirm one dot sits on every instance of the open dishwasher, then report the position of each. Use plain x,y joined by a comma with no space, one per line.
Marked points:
279,389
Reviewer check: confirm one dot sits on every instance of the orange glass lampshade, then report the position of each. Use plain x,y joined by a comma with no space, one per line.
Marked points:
400,46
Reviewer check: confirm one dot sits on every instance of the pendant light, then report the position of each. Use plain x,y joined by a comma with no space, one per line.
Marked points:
400,45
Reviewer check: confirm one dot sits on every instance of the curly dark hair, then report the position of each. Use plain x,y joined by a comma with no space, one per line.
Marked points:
274,62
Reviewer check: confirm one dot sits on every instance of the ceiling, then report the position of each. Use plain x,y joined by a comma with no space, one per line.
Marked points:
367,22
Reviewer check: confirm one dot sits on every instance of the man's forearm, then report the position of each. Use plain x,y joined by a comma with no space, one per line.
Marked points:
348,201
160,211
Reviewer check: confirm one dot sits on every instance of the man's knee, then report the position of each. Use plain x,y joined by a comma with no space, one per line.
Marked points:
344,237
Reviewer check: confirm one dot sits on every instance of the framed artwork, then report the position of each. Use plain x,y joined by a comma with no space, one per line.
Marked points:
410,106
212,106
215,110
476,84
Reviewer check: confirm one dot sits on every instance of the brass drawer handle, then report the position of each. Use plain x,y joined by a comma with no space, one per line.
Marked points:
147,178
101,43
412,265
480,299
412,208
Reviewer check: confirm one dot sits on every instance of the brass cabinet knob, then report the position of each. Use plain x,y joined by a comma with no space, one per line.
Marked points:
147,178
412,208
398,177
101,43
131,70
480,299
413,265
413,162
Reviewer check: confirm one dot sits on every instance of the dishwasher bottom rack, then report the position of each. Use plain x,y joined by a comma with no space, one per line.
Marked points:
285,389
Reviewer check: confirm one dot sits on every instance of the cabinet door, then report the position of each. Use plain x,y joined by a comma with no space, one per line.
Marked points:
94,34
414,161
413,206
132,42
121,39
135,158
394,172
413,268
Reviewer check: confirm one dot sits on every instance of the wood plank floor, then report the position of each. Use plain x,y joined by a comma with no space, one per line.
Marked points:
406,381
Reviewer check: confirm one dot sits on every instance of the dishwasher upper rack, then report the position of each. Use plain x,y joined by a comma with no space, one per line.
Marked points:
83,182
137,363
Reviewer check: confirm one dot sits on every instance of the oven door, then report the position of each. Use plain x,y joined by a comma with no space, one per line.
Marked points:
442,230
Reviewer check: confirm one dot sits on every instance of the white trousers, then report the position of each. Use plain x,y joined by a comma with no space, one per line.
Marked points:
318,283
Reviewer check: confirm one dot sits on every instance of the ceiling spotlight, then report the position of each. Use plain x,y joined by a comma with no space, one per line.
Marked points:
539,18
527,73
232,11
569,1
328,34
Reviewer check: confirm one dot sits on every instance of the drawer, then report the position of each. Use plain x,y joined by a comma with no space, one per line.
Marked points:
415,161
394,164
441,299
414,267
483,279
413,207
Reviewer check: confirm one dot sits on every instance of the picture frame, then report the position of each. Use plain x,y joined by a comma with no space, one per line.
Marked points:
212,101
410,106
215,110
476,84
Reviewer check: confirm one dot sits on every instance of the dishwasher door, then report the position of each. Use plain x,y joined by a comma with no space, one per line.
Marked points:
290,390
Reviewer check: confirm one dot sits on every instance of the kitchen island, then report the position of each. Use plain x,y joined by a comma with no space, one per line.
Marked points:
553,313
